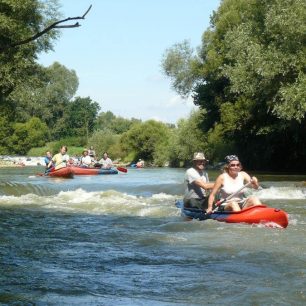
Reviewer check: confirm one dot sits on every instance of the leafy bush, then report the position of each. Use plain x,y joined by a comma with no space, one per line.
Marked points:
106,141
145,138
32,133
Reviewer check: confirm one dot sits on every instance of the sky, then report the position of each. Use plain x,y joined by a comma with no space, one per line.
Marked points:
118,49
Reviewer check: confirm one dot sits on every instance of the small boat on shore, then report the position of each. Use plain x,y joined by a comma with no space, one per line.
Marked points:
92,171
260,214
65,172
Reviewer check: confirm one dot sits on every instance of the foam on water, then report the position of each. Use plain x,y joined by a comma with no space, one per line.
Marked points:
108,202
115,202
292,193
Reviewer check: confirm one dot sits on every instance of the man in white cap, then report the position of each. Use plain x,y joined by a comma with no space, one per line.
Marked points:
197,183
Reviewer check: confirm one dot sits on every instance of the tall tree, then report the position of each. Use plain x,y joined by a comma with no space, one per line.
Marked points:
80,117
144,138
46,94
189,138
27,28
118,125
249,75
20,20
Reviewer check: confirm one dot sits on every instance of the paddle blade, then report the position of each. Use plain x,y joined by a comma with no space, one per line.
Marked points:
122,169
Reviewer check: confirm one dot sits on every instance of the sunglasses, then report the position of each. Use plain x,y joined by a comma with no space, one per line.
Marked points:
234,165
201,162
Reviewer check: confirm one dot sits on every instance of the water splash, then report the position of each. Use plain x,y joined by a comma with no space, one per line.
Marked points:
106,202
292,193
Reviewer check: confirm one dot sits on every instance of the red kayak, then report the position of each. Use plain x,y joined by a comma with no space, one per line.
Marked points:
91,171
260,214
65,172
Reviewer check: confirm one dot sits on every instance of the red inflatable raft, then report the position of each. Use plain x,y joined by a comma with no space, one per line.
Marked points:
91,171
260,214
65,172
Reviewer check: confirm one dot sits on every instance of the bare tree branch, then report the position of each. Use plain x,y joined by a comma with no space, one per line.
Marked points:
54,25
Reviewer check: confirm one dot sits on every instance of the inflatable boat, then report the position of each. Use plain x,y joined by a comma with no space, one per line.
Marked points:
65,172
92,171
260,214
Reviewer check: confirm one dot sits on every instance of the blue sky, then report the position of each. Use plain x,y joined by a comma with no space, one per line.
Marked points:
117,52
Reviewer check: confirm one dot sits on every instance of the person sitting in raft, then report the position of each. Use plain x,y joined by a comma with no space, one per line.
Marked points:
60,159
92,153
229,182
140,163
85,159
106,162
47,160
197,183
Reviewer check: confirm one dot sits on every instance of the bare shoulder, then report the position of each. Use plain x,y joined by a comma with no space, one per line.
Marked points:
245,175
220,179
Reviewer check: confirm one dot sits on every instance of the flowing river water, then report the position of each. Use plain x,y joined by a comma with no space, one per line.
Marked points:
120,240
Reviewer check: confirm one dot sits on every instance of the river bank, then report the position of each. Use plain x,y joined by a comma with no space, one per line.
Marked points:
20,161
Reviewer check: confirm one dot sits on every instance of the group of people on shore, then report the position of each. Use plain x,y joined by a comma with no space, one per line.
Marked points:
200,193
87,160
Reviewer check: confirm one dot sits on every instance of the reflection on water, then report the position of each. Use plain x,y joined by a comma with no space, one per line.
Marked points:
120,240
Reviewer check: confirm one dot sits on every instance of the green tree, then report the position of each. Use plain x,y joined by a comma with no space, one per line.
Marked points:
118,125
106,141
18,21
81,116
6,131
27,89
46,95
249,77
188,138
33,133
180,65
144,139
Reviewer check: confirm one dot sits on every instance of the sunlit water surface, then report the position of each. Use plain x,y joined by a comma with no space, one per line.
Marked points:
120,240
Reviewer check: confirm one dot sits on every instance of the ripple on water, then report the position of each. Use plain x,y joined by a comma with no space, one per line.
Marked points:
109,245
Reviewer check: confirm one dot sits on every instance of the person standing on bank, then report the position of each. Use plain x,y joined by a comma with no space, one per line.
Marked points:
230,182
197,183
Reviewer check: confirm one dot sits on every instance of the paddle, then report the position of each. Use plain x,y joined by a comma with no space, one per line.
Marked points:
221,201
122,169
52,169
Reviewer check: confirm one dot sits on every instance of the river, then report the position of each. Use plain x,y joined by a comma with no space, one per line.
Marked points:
120,240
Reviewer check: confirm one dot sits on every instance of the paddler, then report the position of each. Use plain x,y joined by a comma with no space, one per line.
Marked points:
229,182
197,183
60,159
47,160
106,162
